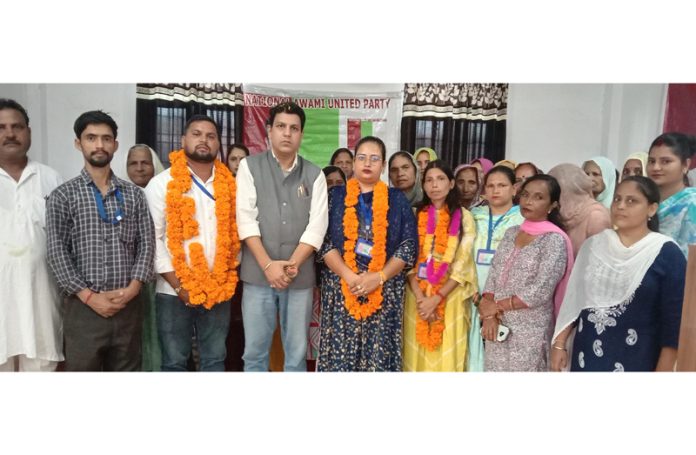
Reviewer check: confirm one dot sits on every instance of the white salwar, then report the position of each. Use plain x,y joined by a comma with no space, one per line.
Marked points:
30,319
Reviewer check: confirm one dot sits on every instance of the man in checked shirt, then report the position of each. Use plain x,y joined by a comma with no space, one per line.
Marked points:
101,248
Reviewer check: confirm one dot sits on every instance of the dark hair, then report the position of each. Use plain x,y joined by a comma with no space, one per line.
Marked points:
239,146
677,142
6,103
374,140
528,163
404,155
509,173
651,192
554,195
338,152
287,107
452,199
94,118
331,169
201,118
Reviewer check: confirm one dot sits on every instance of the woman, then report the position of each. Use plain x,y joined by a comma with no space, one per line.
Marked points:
343,158
469,185
668,163
491,223
507,163
441,285
624,298
635,164
581,214
527,281
334,176
523,171
405,176
484,165
603,175
423,156
371,240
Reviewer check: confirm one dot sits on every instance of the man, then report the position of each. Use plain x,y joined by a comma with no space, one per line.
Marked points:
282,217
101,247
31,333
235,154
193,208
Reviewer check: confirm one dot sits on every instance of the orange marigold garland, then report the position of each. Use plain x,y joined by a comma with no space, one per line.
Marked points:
205,287
380,206
445,235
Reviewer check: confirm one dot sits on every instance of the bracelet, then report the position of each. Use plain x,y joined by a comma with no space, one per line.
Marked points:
382,278
488,317
89,296
267,265
560,348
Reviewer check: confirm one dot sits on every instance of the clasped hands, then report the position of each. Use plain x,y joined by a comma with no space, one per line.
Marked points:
488,311
281,273
364,283
108,303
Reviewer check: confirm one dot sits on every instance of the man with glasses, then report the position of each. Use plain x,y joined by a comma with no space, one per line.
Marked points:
282,215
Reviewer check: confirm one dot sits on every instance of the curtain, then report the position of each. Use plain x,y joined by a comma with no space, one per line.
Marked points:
461,122
163,109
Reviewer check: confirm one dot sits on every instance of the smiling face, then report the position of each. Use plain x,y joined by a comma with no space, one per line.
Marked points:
665,167
535,201
402,173
630,209
201,142
595,174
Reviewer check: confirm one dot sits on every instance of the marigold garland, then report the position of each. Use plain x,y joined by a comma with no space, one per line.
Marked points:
380,206
445,235
205,287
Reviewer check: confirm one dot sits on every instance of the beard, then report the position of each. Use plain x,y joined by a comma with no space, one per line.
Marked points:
200,156
100,160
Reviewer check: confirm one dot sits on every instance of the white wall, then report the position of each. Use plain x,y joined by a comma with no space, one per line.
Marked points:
52,110
550,124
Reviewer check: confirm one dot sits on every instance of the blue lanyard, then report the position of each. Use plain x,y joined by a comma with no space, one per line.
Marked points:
491,226
199,185
365,212
100,205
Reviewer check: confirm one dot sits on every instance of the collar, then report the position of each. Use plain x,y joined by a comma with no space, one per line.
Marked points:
294,163
114,182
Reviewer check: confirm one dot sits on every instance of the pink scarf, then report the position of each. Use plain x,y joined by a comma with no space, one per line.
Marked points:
544,227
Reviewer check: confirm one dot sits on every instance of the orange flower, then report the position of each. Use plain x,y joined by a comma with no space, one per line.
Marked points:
429,334
380,207
205,287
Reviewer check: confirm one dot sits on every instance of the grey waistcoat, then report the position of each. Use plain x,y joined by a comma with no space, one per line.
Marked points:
283,204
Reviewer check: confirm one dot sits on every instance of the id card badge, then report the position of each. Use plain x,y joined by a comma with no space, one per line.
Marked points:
364,248
423,271
484,256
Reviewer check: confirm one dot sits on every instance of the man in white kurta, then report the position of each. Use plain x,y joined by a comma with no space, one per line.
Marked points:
31,335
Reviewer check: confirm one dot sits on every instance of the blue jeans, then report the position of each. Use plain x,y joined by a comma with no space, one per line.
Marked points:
175,327
260,304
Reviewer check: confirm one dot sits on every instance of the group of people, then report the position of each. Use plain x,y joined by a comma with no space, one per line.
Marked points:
484,267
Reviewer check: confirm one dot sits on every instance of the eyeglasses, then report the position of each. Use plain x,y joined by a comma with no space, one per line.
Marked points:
373,158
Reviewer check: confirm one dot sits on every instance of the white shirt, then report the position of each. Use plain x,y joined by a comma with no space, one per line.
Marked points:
248,213
30,321
156,192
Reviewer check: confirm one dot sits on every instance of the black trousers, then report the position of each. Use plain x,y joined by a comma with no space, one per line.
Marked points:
95,343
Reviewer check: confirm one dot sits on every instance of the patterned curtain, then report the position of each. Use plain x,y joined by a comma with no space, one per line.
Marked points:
461,122
163,109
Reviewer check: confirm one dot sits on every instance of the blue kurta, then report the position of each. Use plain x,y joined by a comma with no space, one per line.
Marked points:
629,336
374,344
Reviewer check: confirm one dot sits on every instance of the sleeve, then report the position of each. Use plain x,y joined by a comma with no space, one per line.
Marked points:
155,194
59,226
688,229
247,212
672,292
501,254
333,219
463,267
539,288
598,221
407,250
145,241
318,214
